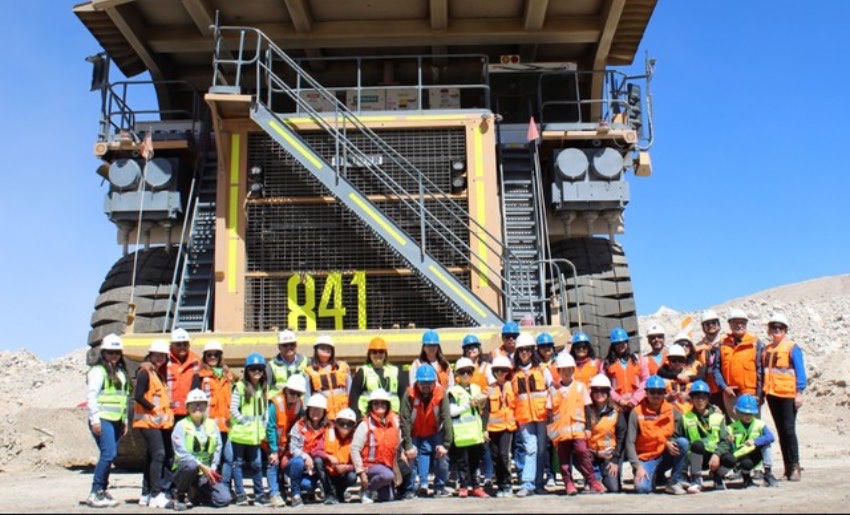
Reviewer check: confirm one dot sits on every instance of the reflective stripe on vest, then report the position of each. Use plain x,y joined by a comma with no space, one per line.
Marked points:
654,429
741,434
252,430
603,434
179,380
501,416
285,417
467,427
332,384
112,401
584,373
531,395
161,417
624,380
282,372
738,363
425,420
382,442
780,378
372,381
568,419
709,433
338,449
218,392
202,447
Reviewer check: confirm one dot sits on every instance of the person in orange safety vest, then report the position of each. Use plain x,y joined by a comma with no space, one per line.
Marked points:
738,364
333,460
607,433
285,408
375,449
328,376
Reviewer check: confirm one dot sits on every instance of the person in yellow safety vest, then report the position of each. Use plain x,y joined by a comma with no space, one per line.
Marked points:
285,408
784,382
501,425
706,351
570,427
107,390
530,384
655,357
248,412
376,373
468,409
705,428
751,439
286,363
432,354
197,452
678,377
483,377
328,376
607,433
152,416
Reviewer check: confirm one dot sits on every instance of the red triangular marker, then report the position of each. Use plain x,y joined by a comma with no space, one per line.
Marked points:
533,133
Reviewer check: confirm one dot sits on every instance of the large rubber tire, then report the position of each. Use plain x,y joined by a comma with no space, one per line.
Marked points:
604,290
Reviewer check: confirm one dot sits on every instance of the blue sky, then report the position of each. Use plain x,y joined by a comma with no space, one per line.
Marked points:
748,190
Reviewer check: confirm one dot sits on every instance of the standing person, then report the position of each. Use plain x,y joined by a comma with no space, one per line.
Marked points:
738,367
377,373
751,440
286,363
706,353
375,448
784,382
652,444
546,351
607,433
248,412
107,390
510,333
655,357
338,471
197,452
285,408
426,428
501,424
432,354
710,449
587,366
183,367
468,409
483,377
570,429
328,376
627,371
531,388
152,416
306,437
216,381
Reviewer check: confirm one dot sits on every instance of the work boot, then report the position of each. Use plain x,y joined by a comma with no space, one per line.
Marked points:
719,484
748,480
795,473
769,479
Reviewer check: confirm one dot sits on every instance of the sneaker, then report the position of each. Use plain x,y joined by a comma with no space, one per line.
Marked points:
297,501
276,501
409,495
769,480
329,500
695,487
506,492
675,489
550,484
571,489
523,492
597,488
441,491
242,500
479,492
97,500
262,500
719,484
158,501
346,497
422,492
365,498
462,492
144,499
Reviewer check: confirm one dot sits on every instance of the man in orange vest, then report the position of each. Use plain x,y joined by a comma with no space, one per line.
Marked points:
510,333
706,354
655,357
183,367
738,363
655,442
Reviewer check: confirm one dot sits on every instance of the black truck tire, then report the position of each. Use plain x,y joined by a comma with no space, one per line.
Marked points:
604,290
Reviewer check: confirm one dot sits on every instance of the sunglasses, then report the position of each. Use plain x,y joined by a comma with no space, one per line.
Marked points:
656,336
676,360
711,322
776,327
112,352
511,336
378,351
600,390
293,393
500,371
256,369
196,407
655,391
464,372
699,396
213,354
381,404
525,349
345,424
286,345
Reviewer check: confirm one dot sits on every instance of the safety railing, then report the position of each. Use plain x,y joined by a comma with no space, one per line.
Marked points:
614,100
121,114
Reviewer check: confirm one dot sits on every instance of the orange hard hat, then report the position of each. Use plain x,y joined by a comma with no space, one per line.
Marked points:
377,343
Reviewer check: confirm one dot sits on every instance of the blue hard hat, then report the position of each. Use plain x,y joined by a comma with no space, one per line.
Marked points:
700,386
430,337
510,327
470,339
618,334
747,404
655,383
581,337
545,339
255,358
426,374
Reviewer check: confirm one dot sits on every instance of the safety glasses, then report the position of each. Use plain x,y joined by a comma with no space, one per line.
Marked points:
464,372
510,336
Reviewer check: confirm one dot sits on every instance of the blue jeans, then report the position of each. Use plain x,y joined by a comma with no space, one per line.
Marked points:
487,464
298,480
659,466
107,444
600,469
425,448
249,454
226,460
532,438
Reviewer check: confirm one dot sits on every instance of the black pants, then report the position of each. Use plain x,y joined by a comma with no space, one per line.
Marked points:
784,413
336,485
187,477
500,450
154,460
699,457
748,461
468,459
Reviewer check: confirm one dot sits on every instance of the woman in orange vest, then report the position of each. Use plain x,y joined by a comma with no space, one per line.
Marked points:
569,429
607,433
152,416
305,438
501,424
784,382
333,459
679,371
587,366
216,381
328,376
432,354
531,389
627,371
285,408
375,449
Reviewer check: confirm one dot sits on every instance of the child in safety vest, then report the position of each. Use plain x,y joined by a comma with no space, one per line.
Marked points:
501,424
286,363
248,412
328,376
468,408
305,438
375,449
530,385
705,428
333,459
751,439
285,408
607,433
376,373
569,430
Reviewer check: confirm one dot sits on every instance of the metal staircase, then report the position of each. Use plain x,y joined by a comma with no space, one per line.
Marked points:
194,297
521,209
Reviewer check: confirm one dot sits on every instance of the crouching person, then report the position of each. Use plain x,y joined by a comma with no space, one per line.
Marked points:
375,447
305,438
705,428
197,453
338,473
652,445
751,439
607,433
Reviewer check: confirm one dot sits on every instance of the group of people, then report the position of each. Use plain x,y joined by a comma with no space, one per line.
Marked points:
314,428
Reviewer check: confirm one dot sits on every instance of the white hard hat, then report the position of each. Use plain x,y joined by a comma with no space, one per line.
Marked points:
676,351
160,346
778,318
212,346
324,340
709,314
736,313
179,335
379,395
655,329
317,400
600,381
111,342
565,360
683,336
196,395
285,336
346,414
464,363
525,340
501,362
296,383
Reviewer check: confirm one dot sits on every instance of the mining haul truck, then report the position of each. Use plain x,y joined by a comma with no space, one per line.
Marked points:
368,168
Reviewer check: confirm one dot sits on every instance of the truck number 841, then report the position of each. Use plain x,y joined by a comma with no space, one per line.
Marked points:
329,304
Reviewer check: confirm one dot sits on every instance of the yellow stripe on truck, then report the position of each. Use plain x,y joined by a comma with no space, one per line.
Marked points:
233,213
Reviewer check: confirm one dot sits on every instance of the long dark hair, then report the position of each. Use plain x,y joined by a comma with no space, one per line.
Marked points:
441,359
591,354
482,357
162,371
324,422
613,357
250,390
331,361
535,358
594,413
112,370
